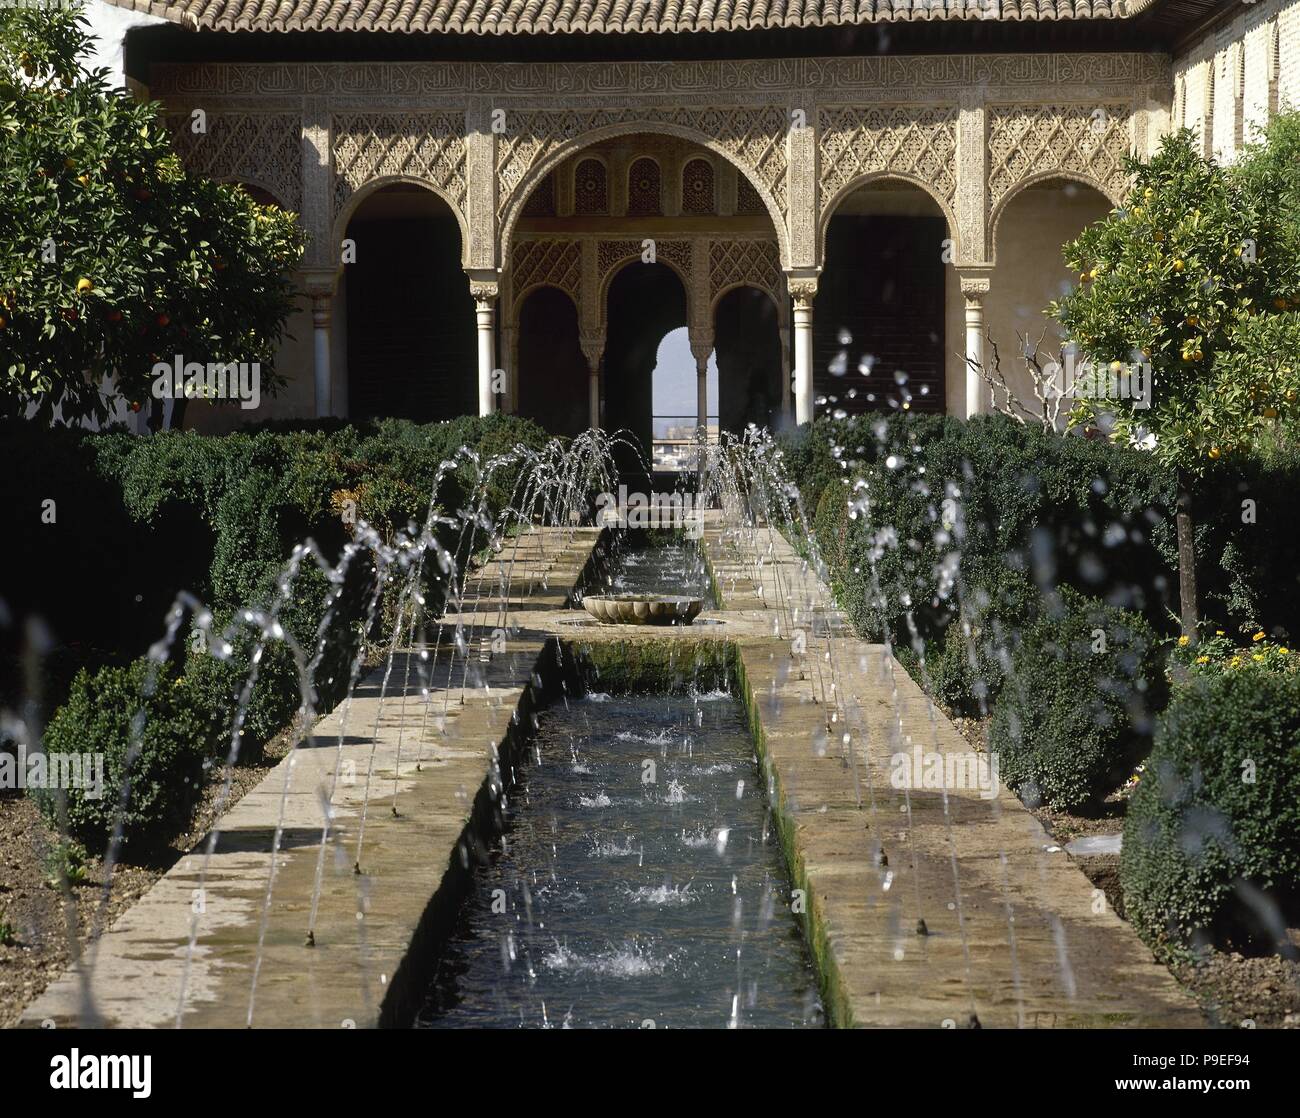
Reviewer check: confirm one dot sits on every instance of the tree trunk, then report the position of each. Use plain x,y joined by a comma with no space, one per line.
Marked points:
1189,611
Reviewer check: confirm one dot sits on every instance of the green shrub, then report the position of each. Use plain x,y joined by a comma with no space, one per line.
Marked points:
1075,714
217,684
218,516
164,777
1099,516
830,526
1022,508
1202,839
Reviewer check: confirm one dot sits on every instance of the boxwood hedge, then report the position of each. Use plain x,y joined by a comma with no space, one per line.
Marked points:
1212,839
1078,706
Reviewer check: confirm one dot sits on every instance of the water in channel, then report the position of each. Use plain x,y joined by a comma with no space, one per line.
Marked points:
638,882
656,564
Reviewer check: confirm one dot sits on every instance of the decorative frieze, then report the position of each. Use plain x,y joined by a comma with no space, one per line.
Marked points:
611,83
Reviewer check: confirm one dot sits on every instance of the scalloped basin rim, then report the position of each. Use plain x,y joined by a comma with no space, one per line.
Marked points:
659,610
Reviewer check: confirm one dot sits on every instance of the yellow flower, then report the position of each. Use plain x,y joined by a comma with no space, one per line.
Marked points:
1184,641
1218,632
1235,662
1202,659
1258,657
1284,651
1258,637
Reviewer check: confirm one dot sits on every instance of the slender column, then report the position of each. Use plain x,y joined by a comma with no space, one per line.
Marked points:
319,285
593,345
701,348
974,289
786,412
320,321
485,314
803,291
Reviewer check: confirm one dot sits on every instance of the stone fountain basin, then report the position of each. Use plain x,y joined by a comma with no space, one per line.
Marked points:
643,611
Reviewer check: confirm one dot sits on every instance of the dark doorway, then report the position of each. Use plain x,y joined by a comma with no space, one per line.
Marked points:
410,318
646,301
880,302
747,341
553,387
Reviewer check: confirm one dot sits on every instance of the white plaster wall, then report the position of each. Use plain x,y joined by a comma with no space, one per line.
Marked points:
109,24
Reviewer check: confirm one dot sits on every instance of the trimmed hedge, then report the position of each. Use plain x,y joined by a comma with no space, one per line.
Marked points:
141,518
138,519
1209,855
1026,510
1013,501
1077,710
165,776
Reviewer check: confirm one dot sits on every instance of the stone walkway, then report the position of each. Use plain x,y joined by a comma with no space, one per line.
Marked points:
927,909
924,909
428,764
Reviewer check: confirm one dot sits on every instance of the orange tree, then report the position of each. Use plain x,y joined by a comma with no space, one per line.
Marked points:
1198,276
112,256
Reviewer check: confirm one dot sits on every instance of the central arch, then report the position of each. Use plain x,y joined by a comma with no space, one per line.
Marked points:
537,173
641,203
645,302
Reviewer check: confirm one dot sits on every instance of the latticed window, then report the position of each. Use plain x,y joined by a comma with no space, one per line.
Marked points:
590,188
747,200
697,187
541,202
643,189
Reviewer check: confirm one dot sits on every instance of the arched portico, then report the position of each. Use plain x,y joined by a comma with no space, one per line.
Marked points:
785,140
580,236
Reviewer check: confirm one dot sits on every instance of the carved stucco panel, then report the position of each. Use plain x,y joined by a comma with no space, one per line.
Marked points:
264,149
1088,140
733,262
557,263
425,146
916,140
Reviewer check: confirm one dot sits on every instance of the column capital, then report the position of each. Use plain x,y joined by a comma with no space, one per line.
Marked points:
318,282
803,290
593,348
484,291
975,281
